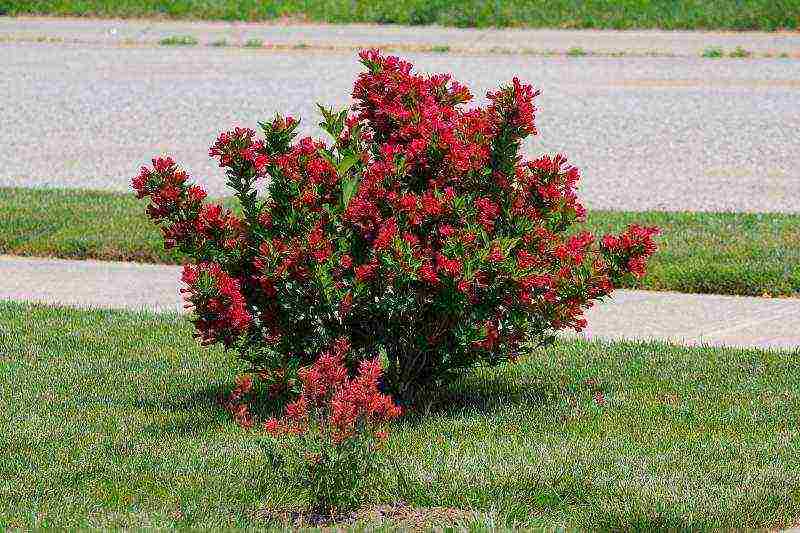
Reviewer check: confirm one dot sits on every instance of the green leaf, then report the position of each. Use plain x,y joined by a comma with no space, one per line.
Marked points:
327,114
346,164
333,122
349,188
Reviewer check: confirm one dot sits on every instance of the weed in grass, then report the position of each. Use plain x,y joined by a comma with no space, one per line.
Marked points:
740,52
178,40
301,46
784,55
576,51
47,39
713,52
219,43
440,48
254,43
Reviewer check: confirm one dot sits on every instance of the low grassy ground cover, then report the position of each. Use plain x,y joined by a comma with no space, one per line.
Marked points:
113,421
618,14
723,253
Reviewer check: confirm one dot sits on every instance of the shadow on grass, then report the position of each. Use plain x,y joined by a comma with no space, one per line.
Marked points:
488,392
190,399
205,408
186,412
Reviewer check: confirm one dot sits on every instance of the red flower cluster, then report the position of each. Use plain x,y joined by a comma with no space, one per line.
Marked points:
336,404
217,302
420,231
237,148
179,208
512,108
631,248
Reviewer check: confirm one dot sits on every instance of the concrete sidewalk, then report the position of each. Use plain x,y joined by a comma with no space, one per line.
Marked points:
683,318
348,36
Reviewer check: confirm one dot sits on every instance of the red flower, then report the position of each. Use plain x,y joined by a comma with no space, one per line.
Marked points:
385,235
431,205
496,254
637,266
488,212
428,274
610,241
163,164
273,426
365,272
219,306
525,260
340,406
450,267
260,162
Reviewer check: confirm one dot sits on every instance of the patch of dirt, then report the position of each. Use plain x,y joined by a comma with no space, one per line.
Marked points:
396,515
406,517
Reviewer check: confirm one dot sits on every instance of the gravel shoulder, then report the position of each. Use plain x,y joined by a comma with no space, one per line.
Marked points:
128,32
648,133
682,318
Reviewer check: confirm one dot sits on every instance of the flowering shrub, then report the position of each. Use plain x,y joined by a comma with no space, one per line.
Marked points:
419,232
330,434
333,403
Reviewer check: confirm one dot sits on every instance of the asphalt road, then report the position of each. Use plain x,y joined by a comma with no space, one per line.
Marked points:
648,133
502,40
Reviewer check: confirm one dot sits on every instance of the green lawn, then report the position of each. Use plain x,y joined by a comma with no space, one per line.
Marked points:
618,14
724,253
112,421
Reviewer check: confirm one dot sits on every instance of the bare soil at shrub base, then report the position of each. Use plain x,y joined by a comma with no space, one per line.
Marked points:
396,514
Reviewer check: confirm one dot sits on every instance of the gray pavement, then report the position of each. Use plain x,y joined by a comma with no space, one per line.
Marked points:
649,133
91,283
682,318
128,32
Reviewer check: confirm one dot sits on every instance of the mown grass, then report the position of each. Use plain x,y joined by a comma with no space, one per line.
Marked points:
78,225
618,14
722,253
113,421
717,253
